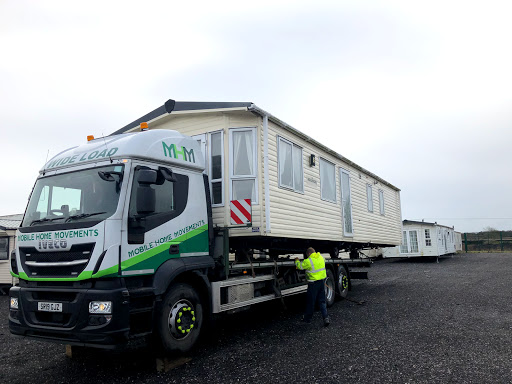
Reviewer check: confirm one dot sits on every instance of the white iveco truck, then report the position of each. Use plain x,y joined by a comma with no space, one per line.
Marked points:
117,243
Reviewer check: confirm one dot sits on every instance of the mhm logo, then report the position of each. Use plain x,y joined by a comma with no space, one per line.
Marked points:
53,244
172,151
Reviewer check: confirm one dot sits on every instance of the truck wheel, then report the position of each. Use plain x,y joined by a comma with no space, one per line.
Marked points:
180,318
342,282
330,293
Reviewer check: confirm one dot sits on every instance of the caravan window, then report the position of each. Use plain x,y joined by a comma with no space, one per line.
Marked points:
216,168
428,240
413,241
327,180
369,196
381,201
404,248
242,164
290,166
409,242
4,248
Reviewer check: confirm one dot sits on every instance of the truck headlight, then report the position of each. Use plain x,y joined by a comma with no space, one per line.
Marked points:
100,307
14,303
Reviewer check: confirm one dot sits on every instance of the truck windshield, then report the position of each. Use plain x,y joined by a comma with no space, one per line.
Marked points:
89,194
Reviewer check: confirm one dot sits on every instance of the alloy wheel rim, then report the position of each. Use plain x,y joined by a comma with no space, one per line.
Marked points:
182,319
329,289
343,281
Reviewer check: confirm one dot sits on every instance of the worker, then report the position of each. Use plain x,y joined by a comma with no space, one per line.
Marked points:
314,265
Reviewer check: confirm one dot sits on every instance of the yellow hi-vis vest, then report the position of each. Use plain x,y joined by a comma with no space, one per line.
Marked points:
314,266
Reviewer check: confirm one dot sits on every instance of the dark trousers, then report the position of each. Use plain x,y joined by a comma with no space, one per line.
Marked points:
315,294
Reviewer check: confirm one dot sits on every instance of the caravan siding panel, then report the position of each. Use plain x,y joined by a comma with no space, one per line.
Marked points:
445,240
311,216
429,250
316,218
373,226
243,119
191,125
5,276
218,214
373,222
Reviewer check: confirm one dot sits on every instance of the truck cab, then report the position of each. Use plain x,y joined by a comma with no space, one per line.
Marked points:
108,225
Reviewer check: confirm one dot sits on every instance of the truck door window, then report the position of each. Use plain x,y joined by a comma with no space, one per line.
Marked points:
165,198
171,200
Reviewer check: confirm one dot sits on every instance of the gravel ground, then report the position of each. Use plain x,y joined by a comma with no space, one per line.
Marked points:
421,322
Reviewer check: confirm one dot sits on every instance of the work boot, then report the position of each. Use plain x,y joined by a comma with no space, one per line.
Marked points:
326,321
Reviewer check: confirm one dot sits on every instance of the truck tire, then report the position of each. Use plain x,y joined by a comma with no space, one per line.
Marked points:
342,282
180,318
330,289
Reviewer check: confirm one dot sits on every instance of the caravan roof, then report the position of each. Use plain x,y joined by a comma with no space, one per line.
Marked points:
181,107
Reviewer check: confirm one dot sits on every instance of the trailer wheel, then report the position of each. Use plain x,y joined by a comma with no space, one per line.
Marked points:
334,253
342,282
180,318
330,292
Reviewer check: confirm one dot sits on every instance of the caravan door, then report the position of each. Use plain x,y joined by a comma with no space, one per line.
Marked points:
346,203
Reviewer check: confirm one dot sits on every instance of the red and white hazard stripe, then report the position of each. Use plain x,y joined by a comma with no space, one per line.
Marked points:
241,211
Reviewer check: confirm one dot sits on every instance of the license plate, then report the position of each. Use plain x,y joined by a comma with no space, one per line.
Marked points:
49,307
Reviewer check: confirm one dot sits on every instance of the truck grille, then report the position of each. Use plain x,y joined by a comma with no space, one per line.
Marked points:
55,319
56,264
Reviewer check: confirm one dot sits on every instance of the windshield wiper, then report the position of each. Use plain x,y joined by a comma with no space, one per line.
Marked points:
82,215
45,219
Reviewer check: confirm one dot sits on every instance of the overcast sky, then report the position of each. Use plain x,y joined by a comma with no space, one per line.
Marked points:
419,93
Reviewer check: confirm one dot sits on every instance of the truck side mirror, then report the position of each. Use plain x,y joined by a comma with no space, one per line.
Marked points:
105,176
167,174
147,176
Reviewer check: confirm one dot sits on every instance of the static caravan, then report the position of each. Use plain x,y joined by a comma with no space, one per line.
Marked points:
302,193
422,239
8,226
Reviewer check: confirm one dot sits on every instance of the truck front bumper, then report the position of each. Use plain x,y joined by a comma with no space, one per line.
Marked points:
74,324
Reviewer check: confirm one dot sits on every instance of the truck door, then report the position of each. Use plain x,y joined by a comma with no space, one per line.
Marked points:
152,238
